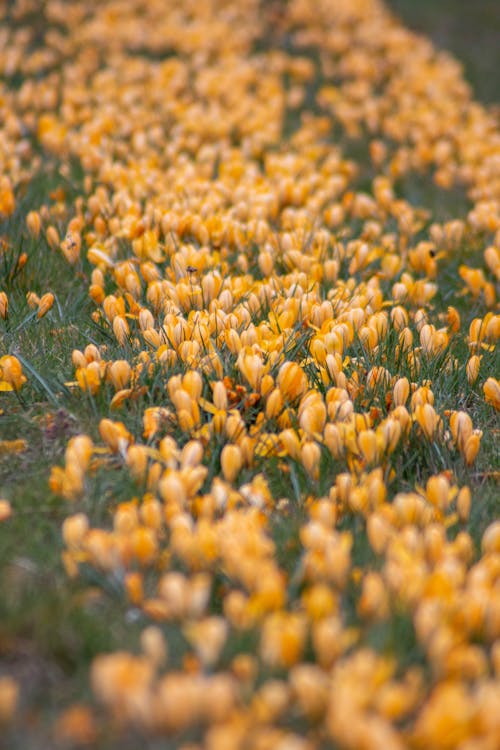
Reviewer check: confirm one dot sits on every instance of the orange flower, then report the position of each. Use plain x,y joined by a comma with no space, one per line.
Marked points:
11,373
123,683
491,390
251,367
7,200
5,510
428,420
46,302
471,447
9,696
76,725
4,305
74,530
89,378
401,391
120,373
231,462
292,381
472,368
121,329
311,455
34,223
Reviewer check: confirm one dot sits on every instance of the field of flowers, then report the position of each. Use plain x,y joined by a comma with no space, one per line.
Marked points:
249,380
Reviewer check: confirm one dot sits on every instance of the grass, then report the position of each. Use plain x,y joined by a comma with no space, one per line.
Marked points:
51,626
46,636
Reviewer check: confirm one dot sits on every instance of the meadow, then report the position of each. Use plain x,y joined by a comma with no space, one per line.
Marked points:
249,376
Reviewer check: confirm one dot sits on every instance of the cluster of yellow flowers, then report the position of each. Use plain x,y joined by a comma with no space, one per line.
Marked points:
277,315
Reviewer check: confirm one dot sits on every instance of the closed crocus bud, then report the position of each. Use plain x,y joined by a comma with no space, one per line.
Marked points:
32,299
231,462
9,696
453,319
120,372
464,500
145,545
471,448
373,603
472,368
311,456
92,353
134,587
5,510
78,359
427,333
74,530
154,646
71,246
266,385
119,398
115,435
23,259
282,638
491,390
79,450
137,461
427,419
121,329
172,488
312,413
122,682
310,686
146,319
11,373
367,443
98,256
89,378
266,263
45,304
151,512
274,404
133,285
377,491
34,223
290,442
490,543
461,428
152,337
52,236
191,454
438,491
251,367
399,317
292,381
493,328
379,532
319,601
207,637
192,382
220,396
333,440
4,305
401,391
390,432
492,259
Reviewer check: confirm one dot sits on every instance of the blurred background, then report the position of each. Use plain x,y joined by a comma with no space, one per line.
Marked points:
470,29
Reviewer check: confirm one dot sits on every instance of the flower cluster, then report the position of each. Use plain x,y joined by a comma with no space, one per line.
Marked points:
278,347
